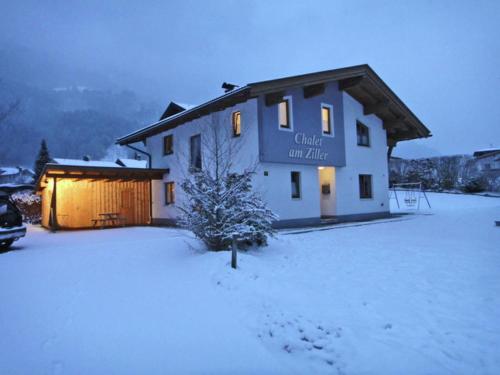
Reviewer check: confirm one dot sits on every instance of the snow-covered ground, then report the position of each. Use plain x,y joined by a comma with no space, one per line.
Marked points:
419,294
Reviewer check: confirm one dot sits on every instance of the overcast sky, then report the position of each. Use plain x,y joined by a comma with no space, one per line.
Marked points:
440,57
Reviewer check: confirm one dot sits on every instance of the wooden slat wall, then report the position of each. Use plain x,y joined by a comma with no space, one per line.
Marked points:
81,200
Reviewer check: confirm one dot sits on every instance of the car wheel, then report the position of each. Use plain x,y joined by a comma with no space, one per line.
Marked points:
4,246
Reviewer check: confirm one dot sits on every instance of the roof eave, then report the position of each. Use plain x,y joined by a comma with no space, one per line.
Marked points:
184,116
411,126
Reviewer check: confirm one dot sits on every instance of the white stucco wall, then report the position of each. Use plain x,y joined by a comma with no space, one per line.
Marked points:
276,186
370,160
276,189
245,150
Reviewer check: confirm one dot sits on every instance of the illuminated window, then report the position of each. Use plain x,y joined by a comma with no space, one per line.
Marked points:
169,193
236,120
195,151
168,144
295,180
284,114
365,186
326,119
363,134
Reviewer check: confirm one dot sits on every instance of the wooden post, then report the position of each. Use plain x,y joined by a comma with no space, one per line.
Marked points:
234,260
53,208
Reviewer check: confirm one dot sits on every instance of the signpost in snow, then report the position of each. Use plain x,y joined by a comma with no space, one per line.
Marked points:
234,260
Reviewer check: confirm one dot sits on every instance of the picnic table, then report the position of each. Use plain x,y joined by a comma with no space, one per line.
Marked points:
112,218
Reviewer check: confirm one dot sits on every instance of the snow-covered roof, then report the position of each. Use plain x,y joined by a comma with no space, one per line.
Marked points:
186,105
81,163
490,149
487,152
121,162
355,80
7,171
132,163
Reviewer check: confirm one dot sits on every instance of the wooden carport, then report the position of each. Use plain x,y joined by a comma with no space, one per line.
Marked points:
74,196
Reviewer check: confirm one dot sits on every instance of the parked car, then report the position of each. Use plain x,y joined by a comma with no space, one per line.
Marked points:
11,222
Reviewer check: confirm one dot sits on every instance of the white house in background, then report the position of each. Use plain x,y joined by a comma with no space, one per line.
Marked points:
488,160
16,175
320,143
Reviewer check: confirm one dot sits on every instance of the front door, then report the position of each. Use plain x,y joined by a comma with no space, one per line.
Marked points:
326,177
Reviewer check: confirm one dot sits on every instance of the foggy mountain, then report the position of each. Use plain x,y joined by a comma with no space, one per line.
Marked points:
78,112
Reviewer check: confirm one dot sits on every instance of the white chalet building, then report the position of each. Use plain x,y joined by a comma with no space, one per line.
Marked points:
319,142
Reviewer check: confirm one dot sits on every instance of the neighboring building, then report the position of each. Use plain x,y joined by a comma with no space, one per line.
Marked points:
320,143
488,160
17,175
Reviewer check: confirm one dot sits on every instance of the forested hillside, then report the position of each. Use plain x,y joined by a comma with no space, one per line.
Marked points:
75,119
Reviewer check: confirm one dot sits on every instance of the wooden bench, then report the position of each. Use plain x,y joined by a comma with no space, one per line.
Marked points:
109,218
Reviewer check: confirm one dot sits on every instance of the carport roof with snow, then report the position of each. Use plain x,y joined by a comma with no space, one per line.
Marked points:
96,171
360,81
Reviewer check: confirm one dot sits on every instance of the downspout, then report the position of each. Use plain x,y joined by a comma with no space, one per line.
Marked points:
389,153
150,161
142,152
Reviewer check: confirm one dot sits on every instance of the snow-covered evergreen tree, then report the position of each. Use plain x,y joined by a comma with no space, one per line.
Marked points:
220,203
42,159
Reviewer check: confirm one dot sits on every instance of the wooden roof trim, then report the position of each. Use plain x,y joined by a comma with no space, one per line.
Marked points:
76,172
350,78
258,88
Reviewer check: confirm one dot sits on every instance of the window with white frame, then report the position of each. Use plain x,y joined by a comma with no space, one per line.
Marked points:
326,119
285,113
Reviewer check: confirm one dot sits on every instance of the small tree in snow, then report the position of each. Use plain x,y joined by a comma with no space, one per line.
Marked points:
220,203
42,159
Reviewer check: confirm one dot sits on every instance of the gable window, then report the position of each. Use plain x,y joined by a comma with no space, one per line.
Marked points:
285,113
195,151
363,134
365,186
236,121
327,119
295,180
168,144
169,193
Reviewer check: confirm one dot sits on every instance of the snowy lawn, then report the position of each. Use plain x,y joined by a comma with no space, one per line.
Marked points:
416,295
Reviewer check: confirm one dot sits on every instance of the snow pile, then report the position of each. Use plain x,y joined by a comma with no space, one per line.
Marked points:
420,295
29,204
81,163
132,163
